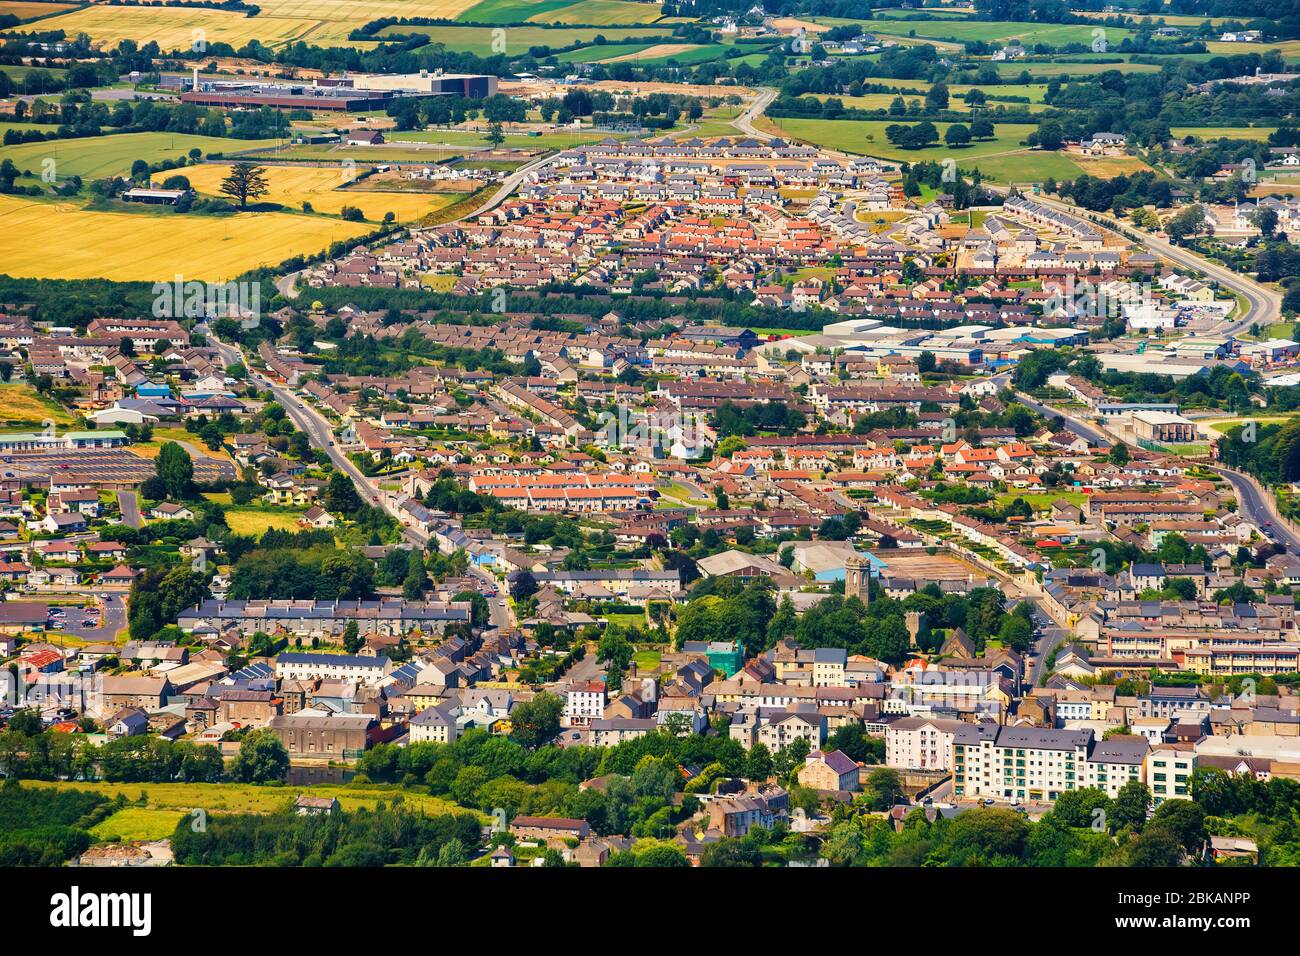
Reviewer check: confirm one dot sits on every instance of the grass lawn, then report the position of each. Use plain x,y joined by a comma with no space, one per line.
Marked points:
21,405
250,798
1043,500
625,620
138,823
647,658
255,521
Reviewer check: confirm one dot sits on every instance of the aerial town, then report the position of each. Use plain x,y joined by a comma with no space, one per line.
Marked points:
650,436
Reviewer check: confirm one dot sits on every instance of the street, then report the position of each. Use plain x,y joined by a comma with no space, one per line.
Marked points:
1259,509
129,505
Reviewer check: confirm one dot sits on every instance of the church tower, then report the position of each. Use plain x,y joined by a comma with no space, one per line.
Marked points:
857,578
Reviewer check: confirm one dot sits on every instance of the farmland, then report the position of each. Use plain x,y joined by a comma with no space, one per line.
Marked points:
25,11
479,40
105,156
323,187
322,22
868,137
62,240
247,798
592,12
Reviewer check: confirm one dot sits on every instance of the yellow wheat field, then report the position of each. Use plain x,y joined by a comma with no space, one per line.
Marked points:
64,241
321,186
322,22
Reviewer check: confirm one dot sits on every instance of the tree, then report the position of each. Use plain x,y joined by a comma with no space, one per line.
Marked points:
1190,222
1118,454
341,495
957,135
1129,808
495,136
351,638
882,789
261,758
538,720
1158,846
417,577
729,851
175,469
1184,819
246,181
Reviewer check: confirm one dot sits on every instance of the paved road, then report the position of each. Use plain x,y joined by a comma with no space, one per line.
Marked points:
1075,425
745,121
1259,508
129,505
320,433
286,284
1263,305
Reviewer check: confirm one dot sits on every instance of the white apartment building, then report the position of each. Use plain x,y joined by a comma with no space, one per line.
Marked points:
924,743
584,703
1169,770
1033,763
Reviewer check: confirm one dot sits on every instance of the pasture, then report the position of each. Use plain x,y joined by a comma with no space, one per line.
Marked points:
867,137
325,188
518,40
62,240
104,156
590,12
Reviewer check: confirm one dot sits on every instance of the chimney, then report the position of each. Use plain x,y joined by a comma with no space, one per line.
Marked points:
196,79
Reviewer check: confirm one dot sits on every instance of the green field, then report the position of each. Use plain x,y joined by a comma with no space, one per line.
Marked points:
250,798
138,823
560,139
593,12
1257,133
518,40
102,156
868,137
1001,31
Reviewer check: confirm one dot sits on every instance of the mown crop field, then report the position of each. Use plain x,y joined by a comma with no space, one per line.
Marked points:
103,156
324,188
25,10
321,22
63,240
